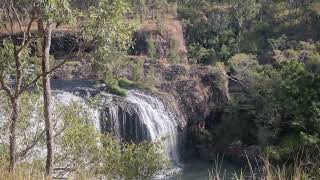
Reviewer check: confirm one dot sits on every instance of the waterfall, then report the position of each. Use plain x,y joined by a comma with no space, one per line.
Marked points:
144,118
159,121
136,118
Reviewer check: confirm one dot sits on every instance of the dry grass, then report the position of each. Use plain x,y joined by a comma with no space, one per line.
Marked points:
302,169
6,30
22,172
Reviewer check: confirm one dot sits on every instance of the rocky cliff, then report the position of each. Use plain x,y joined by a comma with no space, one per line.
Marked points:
197,93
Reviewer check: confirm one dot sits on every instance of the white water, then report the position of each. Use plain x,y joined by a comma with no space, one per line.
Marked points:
153,121
144,118
160,122
61,98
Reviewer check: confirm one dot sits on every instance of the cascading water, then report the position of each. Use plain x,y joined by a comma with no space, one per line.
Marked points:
138,117
144,118
160,122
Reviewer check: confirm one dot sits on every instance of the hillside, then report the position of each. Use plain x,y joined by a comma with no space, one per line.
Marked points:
150,86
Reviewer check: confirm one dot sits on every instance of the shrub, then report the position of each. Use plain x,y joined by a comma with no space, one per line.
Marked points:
90,154
152,50
174,56
125,83
160,24
110,157
148,81
137,70
115,89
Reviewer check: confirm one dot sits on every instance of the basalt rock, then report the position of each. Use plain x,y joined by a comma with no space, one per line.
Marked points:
194,88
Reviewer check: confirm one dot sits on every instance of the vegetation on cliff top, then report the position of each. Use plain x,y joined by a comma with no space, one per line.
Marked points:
269,51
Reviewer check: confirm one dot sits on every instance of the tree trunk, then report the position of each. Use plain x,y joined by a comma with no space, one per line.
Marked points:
12,136
15,104
46,43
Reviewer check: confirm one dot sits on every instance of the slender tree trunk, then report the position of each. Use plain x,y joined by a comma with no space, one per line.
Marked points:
14,119
46,43
140,11
15,104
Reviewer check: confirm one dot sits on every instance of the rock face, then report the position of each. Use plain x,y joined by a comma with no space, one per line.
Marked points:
136,118
193,88
165,39
194,92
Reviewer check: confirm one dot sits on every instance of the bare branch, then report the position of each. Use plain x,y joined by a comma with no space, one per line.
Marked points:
17,16
235,79
39,76
30,146
10,19
27,38
33,14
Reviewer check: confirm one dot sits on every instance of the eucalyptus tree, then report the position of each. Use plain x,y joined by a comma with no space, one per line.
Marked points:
244,11
15,61
103,24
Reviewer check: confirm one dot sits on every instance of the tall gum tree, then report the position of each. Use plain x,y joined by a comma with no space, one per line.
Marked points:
102,24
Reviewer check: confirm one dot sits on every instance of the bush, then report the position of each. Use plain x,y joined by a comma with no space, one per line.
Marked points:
115,89
152,50
199,54
125,83
174,56
137,70
112,158
90,154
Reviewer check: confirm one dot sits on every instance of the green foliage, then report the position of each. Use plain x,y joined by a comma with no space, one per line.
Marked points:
137,70
105,154
298,169
57,11
105,25
160,24
152,8
152,50
289,145
109,66
7,59
77,131
30,126
115,89
6,56
282,99
28,65
278,43
149,79
24,171
209,38
125,83
113,85
216,30
300,88
133,161
4,151
174,56
107,28
86,152
220,73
